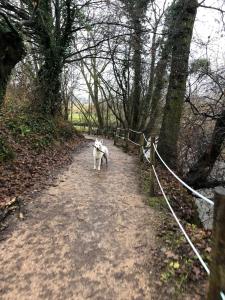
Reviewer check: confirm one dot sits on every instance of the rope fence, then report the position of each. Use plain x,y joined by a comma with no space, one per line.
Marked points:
153,148
134,131
179,224
133,142
118,136
181,181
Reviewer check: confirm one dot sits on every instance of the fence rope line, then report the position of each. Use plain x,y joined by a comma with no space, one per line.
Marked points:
181,227
179,224
222,294
145,138
181,181
133,142
123,129
183,230
143,149
121,137
177,177
138,132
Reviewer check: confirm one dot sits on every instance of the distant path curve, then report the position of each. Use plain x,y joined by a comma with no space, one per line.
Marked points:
89,237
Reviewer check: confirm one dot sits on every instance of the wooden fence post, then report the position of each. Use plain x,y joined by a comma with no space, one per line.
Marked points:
126,137
217,270
142,144
115,137
152,160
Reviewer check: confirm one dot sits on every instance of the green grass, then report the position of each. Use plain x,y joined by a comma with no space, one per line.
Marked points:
81,128
157,202
78,117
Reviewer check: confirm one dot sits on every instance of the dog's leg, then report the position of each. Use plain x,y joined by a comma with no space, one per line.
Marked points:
94,163
99,163
106,159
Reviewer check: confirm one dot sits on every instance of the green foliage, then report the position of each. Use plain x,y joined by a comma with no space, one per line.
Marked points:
6,152
157,202
25,125
40,131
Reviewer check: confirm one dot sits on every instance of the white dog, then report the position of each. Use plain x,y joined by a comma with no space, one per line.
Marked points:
99,152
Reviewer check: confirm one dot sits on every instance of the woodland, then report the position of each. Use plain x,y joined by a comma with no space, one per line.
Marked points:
132,58
152,66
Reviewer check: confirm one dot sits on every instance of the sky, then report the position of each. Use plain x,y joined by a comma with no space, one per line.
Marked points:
208,38
210,29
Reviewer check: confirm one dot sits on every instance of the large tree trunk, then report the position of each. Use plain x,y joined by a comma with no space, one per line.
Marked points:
160,73
186,9
49,98
52,44
197,175
11,52
136,95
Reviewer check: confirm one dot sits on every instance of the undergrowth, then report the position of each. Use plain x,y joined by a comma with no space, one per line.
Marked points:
32,148
36,131
178,269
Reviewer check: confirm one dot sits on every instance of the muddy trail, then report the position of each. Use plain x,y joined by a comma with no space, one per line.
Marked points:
91,236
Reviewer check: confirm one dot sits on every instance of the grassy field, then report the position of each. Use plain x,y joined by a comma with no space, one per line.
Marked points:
79,119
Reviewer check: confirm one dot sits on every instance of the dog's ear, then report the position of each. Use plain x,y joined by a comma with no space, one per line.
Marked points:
101,141
96,140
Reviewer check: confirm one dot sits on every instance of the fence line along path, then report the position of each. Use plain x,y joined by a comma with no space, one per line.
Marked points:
217,273
89,237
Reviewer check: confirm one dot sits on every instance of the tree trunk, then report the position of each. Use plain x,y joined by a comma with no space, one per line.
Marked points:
160,73
66,109
197,175
136,95
146,101
186,9
11,52
48,89
96,101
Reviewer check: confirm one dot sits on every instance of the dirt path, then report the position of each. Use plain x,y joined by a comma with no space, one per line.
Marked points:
89,237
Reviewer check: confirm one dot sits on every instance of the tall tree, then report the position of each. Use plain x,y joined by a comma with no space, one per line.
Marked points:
54,26
151,122
49,27
136,10
11,52
184,13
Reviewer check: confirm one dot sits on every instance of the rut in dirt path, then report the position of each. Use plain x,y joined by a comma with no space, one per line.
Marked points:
89,237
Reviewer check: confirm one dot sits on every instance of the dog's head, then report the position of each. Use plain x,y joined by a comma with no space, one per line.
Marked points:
98,144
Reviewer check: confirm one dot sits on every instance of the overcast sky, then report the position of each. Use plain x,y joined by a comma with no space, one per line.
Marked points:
209,32
209,26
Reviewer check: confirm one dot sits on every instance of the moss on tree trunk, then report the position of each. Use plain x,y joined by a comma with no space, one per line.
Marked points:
48,98
185,12
160,82
136,95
